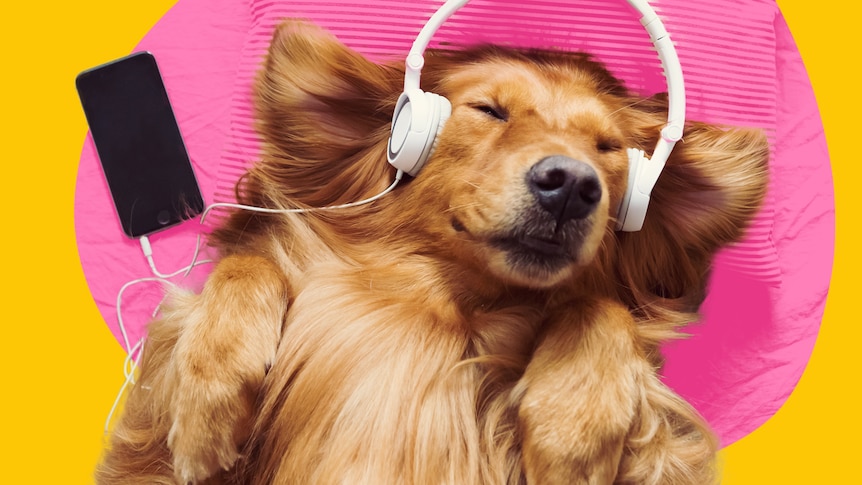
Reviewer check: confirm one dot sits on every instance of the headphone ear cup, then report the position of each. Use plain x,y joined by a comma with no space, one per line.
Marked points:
633,206
418,118
444,111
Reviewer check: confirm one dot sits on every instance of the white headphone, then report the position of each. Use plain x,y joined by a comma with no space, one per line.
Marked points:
419,116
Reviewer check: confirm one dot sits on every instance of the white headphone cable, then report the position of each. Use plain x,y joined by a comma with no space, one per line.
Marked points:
398,176
134,352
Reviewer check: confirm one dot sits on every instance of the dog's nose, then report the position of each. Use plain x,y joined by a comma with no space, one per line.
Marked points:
566,188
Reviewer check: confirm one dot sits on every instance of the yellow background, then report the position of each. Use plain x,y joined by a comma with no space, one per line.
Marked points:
61,367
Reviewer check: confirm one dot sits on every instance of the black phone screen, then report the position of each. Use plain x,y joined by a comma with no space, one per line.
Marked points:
139,144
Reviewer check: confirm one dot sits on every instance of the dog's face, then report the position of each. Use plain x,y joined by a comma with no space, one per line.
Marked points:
529,168
528,172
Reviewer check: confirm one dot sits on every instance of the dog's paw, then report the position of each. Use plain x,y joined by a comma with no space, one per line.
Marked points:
190,471
202,438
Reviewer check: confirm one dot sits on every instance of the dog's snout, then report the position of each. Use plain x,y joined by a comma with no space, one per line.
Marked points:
568,189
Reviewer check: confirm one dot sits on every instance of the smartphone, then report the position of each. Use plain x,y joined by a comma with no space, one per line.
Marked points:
139,144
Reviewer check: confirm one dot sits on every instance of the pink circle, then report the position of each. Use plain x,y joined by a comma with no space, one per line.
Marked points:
767,294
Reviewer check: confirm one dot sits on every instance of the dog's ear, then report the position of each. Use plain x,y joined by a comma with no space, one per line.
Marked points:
711,188
322,108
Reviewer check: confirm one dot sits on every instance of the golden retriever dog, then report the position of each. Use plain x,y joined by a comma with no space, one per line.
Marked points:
483,323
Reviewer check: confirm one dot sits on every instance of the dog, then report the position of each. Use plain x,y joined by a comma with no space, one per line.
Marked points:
480,324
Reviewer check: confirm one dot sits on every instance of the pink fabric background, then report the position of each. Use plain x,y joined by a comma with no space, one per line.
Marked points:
766,295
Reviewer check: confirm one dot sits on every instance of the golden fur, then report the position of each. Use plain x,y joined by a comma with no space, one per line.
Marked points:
413,340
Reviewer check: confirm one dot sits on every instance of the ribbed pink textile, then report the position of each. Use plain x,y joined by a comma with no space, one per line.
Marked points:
741,67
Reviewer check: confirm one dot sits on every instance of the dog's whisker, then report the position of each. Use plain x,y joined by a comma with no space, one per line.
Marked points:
468,205
630,105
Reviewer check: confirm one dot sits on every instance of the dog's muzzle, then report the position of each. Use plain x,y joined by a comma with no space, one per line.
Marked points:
551,229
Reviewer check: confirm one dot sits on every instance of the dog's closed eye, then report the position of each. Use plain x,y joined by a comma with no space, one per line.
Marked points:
492,111
606,145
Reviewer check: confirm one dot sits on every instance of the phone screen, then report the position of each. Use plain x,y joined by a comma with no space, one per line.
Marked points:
139,144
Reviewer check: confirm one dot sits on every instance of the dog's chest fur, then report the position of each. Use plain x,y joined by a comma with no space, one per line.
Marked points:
387,358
